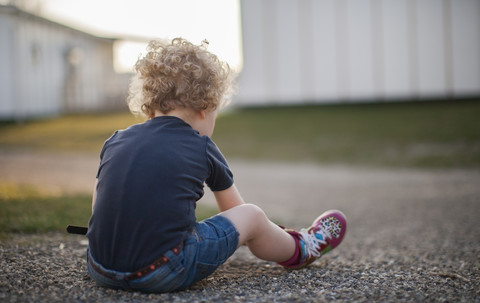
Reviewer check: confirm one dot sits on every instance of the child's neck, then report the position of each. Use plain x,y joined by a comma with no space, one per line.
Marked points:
190,116
186,114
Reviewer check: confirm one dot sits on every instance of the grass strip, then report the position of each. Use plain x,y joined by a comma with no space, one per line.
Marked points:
422,134
25,209
409,134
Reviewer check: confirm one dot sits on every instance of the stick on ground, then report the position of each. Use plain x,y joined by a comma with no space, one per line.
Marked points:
78,230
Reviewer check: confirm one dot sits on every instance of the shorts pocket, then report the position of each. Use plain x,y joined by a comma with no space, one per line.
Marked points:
165,279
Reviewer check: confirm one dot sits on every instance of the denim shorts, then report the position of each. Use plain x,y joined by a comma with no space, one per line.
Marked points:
211,243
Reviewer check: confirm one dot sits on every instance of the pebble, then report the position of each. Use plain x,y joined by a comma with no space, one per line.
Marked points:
51,268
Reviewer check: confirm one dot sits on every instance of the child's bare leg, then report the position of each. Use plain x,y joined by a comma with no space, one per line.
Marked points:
289,248
265,239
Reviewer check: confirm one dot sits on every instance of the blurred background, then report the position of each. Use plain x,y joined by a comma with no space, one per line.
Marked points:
69,56
391,84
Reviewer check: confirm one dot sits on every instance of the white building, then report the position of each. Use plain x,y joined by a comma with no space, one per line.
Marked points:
358,50
47,69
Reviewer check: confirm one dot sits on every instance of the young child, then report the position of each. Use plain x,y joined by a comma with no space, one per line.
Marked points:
143,233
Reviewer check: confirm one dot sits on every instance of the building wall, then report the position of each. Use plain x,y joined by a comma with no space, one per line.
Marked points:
7,106
49,69
358,50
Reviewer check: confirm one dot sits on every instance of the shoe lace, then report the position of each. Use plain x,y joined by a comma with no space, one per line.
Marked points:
312,243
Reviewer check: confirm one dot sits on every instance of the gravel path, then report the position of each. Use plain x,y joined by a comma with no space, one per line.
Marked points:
413,237
51,268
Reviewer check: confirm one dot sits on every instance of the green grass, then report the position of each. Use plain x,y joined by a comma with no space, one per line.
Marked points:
426,134
26,209
422,134
66,134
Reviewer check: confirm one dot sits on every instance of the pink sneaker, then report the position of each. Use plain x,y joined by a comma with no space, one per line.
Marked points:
326,233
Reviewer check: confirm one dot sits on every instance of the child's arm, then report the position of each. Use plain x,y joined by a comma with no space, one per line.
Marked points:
228,198
94,195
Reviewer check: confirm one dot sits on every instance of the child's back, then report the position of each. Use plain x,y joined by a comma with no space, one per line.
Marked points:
150,177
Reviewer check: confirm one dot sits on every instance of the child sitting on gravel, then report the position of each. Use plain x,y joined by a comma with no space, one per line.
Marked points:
143,233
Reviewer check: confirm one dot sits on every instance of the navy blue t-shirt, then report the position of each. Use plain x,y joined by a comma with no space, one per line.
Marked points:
149,179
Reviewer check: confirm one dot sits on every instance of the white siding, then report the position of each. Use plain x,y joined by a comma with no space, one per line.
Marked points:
466,46
431,51
324,68
7,107
359,50
288,50
395,48
255,79
38,76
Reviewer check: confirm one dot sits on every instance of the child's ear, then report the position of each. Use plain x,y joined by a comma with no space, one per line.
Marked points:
202,113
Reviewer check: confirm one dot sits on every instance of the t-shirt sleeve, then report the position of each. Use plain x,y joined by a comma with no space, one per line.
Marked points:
102,152
221,176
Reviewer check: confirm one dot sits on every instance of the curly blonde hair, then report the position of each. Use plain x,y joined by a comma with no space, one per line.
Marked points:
179,74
